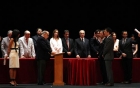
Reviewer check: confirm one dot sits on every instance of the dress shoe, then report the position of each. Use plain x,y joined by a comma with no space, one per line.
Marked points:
126,82
103,83
40,84
109,84
12,84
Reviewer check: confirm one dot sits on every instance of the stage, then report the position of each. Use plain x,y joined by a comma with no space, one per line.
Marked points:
79,72
117,85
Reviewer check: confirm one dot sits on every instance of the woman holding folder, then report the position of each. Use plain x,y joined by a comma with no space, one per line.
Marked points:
13,54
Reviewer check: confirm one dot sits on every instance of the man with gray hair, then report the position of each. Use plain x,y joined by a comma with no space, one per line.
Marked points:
42,55
5,43
26,46
82,47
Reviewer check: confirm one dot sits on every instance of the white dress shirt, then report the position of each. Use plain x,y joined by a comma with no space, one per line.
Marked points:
56,45
116,45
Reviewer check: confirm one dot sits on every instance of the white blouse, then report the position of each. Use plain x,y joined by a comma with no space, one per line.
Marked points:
56,45
116,45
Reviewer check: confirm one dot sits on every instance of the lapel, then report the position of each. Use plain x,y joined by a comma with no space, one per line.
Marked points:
26,45
69,43
66,43
126,42
84,42
7,41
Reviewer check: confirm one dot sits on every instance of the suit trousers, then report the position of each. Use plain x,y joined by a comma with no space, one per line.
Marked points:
41,67
108,64
127,68
103,69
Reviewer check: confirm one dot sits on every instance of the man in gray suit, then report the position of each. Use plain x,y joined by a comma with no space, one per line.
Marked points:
108,55
5,44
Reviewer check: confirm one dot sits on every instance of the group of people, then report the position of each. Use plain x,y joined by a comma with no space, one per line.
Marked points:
104,45
108,47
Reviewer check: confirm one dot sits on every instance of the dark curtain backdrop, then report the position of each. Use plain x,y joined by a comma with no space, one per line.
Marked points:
29,15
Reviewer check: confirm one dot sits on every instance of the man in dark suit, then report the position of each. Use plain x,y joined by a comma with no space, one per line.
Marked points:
94,44
82,46
125,48
101,59
42,55
68,45
38,31
108,55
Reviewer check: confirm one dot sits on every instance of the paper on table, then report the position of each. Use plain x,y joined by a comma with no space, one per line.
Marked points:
137,31
4,62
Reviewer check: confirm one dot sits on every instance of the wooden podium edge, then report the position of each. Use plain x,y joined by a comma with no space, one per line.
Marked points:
59,54
58,84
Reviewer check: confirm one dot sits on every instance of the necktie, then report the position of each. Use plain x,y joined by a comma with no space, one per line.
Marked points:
82,40
124,40
67,41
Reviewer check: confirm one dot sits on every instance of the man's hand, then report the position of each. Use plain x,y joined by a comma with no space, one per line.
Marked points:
5,56
123,54
53,53
22,56
77,56
69,53
89,56
139,35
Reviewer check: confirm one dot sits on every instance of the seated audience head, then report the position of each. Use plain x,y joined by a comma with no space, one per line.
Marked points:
39,31
82,33
45,34
27,34
107,31
66,34
55,33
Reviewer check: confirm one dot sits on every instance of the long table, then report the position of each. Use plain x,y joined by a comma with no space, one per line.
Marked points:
76,71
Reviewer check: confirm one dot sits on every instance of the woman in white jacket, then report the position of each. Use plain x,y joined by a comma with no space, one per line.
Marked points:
116,45
56,42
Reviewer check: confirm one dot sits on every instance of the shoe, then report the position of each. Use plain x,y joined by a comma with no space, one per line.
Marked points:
103,83
40,84
109,84
15,83
12,83
126,82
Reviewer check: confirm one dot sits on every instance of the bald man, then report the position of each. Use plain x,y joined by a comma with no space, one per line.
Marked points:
82,47
26,46
42,55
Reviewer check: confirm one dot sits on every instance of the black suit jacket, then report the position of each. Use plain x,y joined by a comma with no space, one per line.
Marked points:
43,49
82,50
126,48
101,48
35,41
108,53
65,47
94,44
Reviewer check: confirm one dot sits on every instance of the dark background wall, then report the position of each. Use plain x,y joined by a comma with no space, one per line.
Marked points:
89,16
